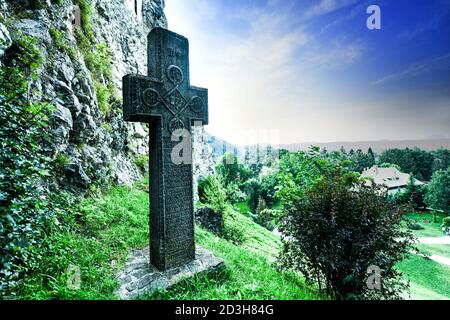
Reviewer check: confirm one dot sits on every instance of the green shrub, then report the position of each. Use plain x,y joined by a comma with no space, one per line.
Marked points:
446,222
211,192
233,231
62,43
25,206
338,229
103,97
142,162
415,226
61,161
253,190
268,218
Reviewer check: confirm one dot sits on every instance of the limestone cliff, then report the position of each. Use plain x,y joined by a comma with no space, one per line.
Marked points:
91,141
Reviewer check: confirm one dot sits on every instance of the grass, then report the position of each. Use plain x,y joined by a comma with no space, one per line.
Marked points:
425,219
242,208
100,231
249,274
438,249
429,279
97,233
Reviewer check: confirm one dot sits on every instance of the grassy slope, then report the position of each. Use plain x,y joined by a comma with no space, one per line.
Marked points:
425,219
429,279
249,273
107,226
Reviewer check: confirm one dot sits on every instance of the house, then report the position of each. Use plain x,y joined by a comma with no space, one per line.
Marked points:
391,178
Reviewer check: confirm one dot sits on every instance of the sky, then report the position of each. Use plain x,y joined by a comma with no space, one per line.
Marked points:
289,71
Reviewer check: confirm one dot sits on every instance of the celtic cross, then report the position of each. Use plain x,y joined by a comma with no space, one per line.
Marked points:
166,100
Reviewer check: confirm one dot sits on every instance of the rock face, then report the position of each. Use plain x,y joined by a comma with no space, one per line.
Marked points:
93,146
202,157
5,40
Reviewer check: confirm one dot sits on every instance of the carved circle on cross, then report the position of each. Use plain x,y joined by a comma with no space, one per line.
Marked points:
175,74
196,104
150,97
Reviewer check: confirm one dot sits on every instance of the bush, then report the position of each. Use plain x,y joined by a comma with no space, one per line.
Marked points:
142,162
415,226
446,225
233,231
268,218
211,192
25,206
234,193
446,222
337,230
252,188
268,185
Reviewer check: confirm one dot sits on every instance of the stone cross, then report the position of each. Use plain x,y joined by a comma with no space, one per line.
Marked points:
166,100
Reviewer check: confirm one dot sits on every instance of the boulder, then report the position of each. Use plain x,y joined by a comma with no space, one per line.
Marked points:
210,220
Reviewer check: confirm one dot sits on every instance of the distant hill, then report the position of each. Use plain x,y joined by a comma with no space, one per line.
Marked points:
377,146
219,146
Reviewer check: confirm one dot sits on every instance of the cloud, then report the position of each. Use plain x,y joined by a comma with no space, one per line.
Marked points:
431,24
416,70
263,74
267,67
327,6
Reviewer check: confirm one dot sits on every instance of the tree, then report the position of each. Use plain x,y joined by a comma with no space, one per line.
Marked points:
441,159
371,155
418,162
338,230
361,161
252,188
298,171
413,195
438,194
268,184
230,170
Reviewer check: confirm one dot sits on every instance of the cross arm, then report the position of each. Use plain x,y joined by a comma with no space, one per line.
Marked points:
198,105
141,98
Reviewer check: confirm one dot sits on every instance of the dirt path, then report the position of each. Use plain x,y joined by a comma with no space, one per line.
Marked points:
434,240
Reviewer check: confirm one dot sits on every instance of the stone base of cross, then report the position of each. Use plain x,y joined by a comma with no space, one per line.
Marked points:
166,100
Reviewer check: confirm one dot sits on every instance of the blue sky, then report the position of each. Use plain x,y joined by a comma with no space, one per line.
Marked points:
286,71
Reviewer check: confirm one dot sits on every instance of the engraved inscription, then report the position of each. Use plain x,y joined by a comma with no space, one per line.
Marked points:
174,53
